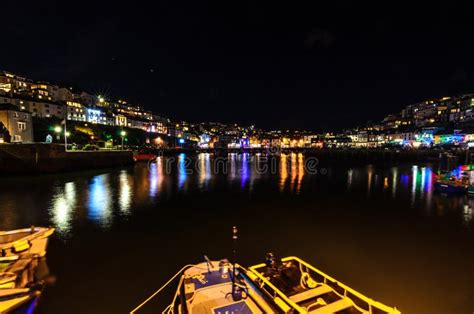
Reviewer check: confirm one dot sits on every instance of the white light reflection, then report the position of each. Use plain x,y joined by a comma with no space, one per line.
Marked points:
99,204
233,167
350,172
414,174
62,208
370,173
244,176
467,214
156,176
300,172
204,160
283,171
182,171
394,180
293,171
125,192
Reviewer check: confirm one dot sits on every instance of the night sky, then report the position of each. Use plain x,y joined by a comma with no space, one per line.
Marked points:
307,65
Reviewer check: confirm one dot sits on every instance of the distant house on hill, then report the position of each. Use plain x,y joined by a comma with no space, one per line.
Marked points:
18,123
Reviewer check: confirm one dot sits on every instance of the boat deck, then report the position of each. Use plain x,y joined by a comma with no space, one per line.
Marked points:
210,292
217,299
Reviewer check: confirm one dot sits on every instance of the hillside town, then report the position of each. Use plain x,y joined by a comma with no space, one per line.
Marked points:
38,111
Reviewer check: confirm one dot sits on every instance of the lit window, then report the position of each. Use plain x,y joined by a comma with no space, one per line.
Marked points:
22,126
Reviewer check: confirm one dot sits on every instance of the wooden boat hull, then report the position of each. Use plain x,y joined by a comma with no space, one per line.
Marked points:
12,299
25,241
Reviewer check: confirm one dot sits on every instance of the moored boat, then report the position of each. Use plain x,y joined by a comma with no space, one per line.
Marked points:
450,187
309,290
470,190
32,240
143,157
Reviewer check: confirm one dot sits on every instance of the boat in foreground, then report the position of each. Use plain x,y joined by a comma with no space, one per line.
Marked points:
23,269
32,240
289,285
209,288
308,290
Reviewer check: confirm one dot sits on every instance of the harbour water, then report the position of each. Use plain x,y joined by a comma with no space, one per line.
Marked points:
121,233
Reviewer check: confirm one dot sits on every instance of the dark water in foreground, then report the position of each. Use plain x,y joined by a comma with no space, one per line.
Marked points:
122,233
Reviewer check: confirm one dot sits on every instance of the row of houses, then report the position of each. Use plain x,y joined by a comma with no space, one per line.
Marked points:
45,100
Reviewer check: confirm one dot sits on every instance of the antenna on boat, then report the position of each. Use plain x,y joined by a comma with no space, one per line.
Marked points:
236,293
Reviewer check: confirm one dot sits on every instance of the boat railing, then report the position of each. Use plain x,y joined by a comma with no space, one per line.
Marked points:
279,297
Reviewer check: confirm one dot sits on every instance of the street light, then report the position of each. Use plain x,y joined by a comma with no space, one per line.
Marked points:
58,130
123,133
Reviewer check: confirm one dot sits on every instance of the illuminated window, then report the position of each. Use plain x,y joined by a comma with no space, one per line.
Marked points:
22,126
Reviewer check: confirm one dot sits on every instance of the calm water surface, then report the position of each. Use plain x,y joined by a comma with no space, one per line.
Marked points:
121,233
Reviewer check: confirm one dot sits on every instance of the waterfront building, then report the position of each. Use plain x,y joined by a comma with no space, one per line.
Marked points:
88,99
7,99
158,125
76,111
362,139
310,140
175,130
45,91
120,120
395,138
14,84
43,108
18,123
138,123
96,115
391,121
65,94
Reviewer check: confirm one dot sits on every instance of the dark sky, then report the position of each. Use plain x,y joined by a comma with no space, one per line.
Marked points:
293,64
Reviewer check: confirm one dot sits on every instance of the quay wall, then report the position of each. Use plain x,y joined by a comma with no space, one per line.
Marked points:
50,158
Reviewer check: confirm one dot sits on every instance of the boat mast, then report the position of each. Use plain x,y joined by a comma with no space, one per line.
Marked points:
236,295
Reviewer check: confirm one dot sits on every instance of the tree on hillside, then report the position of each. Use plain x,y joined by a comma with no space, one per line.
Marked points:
4,134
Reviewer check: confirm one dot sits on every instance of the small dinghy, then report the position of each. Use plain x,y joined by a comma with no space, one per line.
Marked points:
32,240
309,290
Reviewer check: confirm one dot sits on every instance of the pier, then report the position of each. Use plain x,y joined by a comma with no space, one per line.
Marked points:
51,158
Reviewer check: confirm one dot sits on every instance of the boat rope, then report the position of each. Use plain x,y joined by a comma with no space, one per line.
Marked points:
161,288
